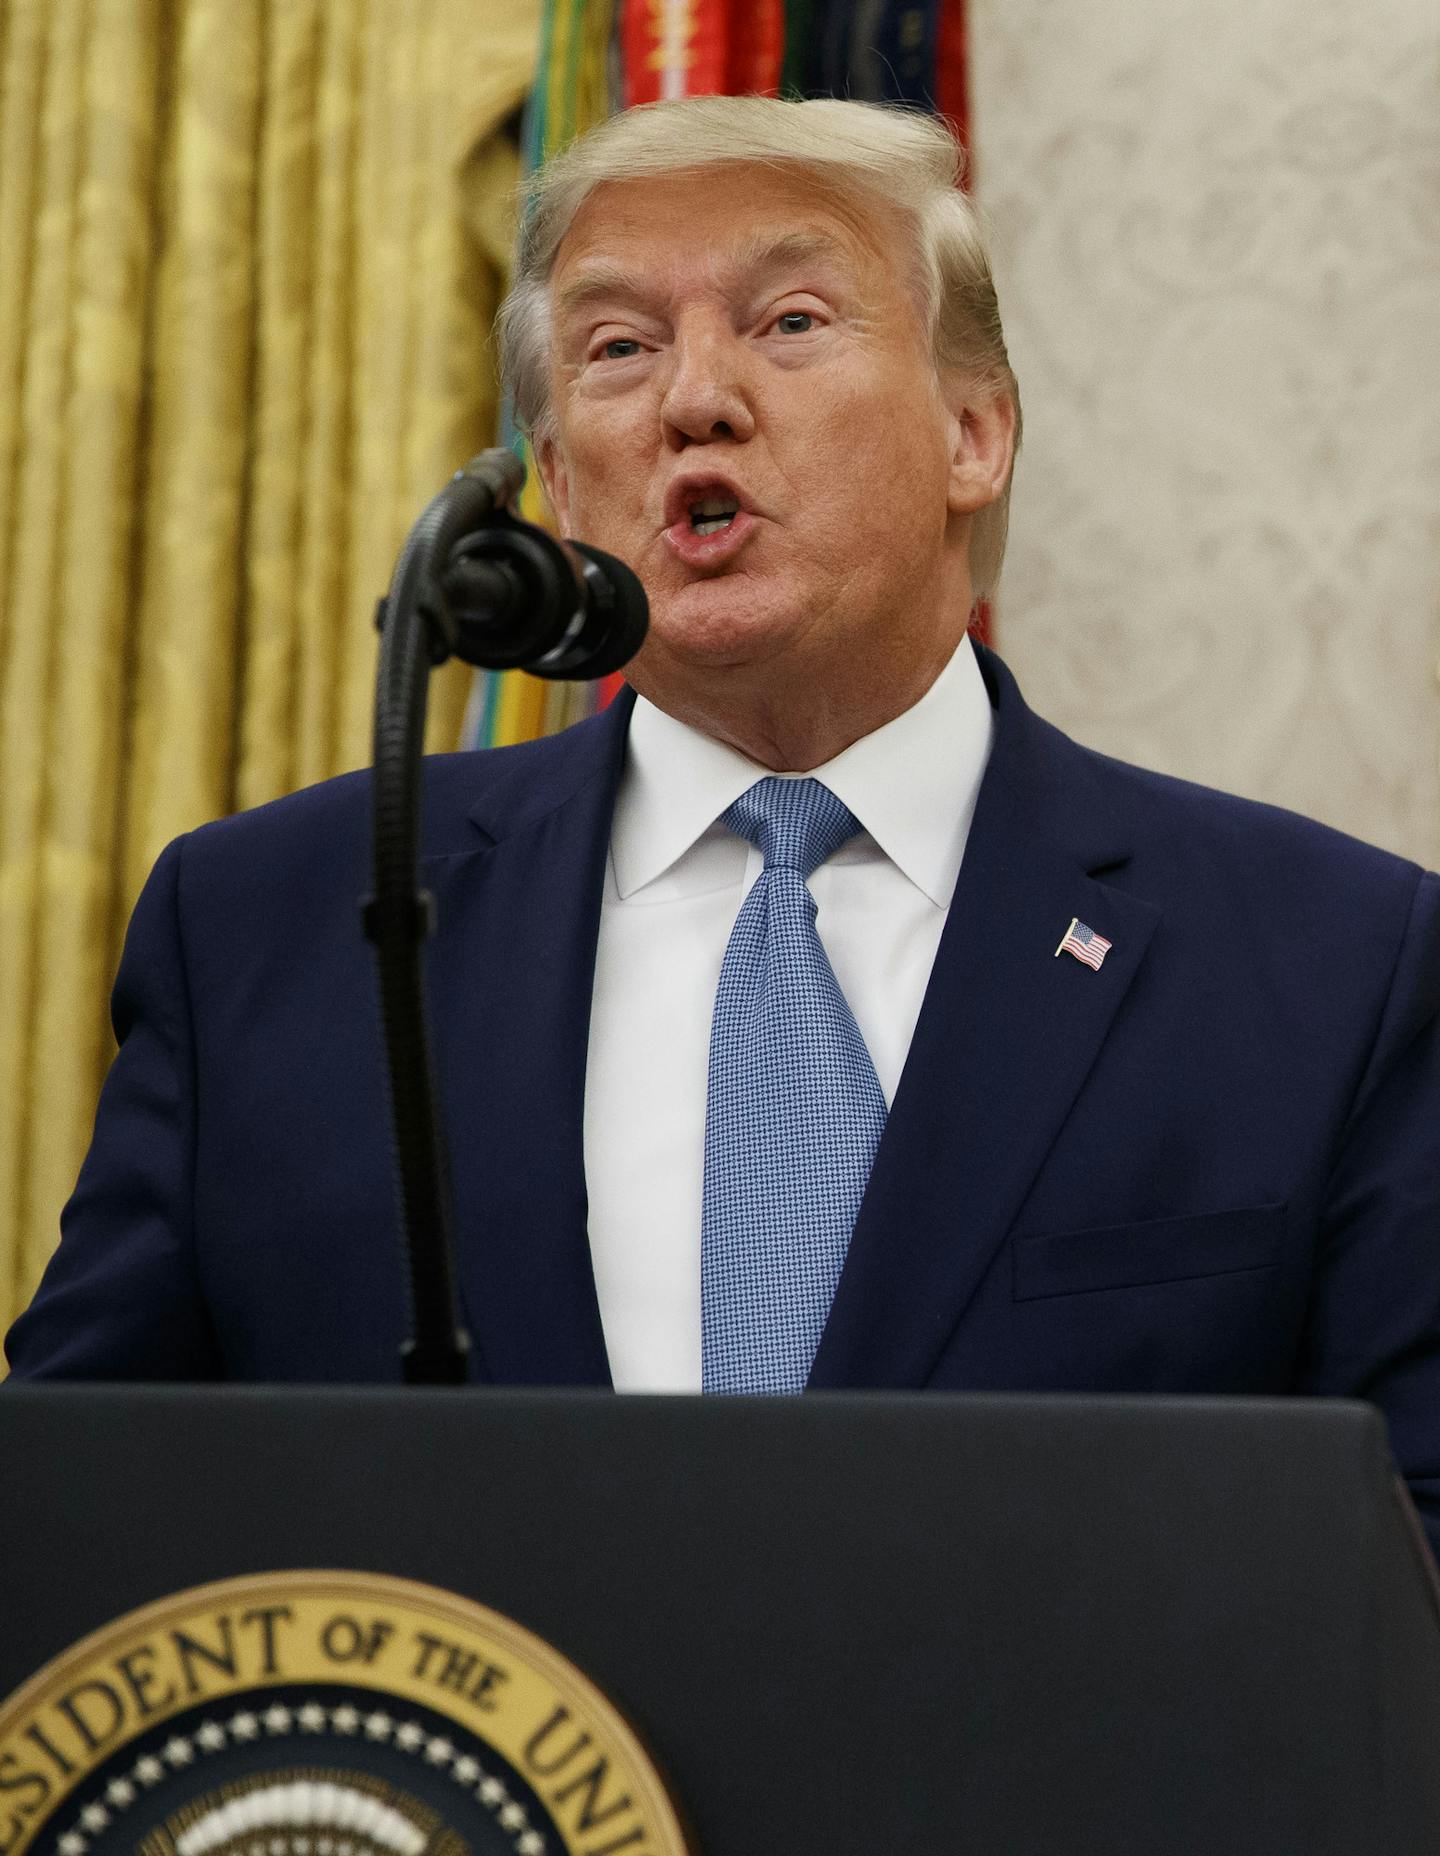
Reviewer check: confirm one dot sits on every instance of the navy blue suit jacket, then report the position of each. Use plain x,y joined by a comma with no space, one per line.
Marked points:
1213,1166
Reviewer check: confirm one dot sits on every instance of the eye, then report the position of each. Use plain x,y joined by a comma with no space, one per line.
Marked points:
620,349
795,322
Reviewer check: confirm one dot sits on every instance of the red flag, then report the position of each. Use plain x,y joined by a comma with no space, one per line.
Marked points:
757,49
673,48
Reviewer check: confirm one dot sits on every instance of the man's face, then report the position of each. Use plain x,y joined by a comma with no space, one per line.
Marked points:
739,340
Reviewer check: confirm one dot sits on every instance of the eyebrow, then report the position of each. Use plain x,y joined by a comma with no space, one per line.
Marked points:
757,257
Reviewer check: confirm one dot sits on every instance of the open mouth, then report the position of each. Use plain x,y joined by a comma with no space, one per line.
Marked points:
712,513
709,522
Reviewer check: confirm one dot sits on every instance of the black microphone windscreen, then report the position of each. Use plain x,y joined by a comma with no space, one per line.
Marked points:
617,618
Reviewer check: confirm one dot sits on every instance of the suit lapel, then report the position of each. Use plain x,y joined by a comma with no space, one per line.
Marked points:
1005,1040
511,971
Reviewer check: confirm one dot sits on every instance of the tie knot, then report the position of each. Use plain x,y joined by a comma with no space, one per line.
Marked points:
797,824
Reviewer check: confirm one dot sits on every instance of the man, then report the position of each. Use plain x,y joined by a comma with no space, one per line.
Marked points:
1081,1078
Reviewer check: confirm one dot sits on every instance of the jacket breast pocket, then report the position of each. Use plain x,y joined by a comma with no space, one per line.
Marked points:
1129,1256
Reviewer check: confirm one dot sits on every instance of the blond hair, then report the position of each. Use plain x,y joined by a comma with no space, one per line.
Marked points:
897,161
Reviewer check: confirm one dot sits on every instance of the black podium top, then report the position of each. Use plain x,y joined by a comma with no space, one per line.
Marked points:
1019,1626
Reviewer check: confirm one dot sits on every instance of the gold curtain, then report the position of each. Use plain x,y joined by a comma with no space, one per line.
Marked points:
249,255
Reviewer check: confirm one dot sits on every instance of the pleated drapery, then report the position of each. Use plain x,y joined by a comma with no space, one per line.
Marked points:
250,251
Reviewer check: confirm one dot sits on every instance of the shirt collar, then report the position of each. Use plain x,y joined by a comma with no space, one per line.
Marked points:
912,784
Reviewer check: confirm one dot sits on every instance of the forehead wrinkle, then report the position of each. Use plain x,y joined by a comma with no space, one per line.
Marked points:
761,253
749,263
600,278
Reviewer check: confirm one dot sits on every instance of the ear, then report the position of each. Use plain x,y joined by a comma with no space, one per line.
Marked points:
555,478
982,448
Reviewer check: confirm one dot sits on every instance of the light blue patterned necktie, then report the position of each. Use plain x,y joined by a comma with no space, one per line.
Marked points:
794,1111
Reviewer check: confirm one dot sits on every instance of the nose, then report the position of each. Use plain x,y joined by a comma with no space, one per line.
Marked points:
706,396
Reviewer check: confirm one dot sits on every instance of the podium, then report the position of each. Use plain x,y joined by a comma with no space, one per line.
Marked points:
843,1624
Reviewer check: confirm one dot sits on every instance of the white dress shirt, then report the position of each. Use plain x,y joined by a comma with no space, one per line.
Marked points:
674,884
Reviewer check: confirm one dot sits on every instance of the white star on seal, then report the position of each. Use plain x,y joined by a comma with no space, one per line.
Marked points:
277,1720
72,1844
94,1817
492,1791
244,1726
378,1725
409,1736
467,1770
531,1844
513,1816
344,1721
179,1752
149,1771
312,1718
120,1791
211,1736
439,1751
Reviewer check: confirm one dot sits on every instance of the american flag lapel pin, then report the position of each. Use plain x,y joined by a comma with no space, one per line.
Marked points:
1083,942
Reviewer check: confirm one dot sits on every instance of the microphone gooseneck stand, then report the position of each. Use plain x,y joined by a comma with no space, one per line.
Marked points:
475,582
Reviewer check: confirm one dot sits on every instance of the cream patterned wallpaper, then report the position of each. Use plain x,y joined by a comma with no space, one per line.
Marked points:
1217,230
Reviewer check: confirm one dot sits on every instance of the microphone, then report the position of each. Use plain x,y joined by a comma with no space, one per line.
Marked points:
513,597
472,581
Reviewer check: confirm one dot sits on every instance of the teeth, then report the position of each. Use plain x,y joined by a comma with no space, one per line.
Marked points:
708,514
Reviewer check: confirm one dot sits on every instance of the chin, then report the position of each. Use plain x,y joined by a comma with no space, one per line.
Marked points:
723,621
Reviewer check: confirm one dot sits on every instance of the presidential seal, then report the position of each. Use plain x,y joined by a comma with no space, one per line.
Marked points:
322,1714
